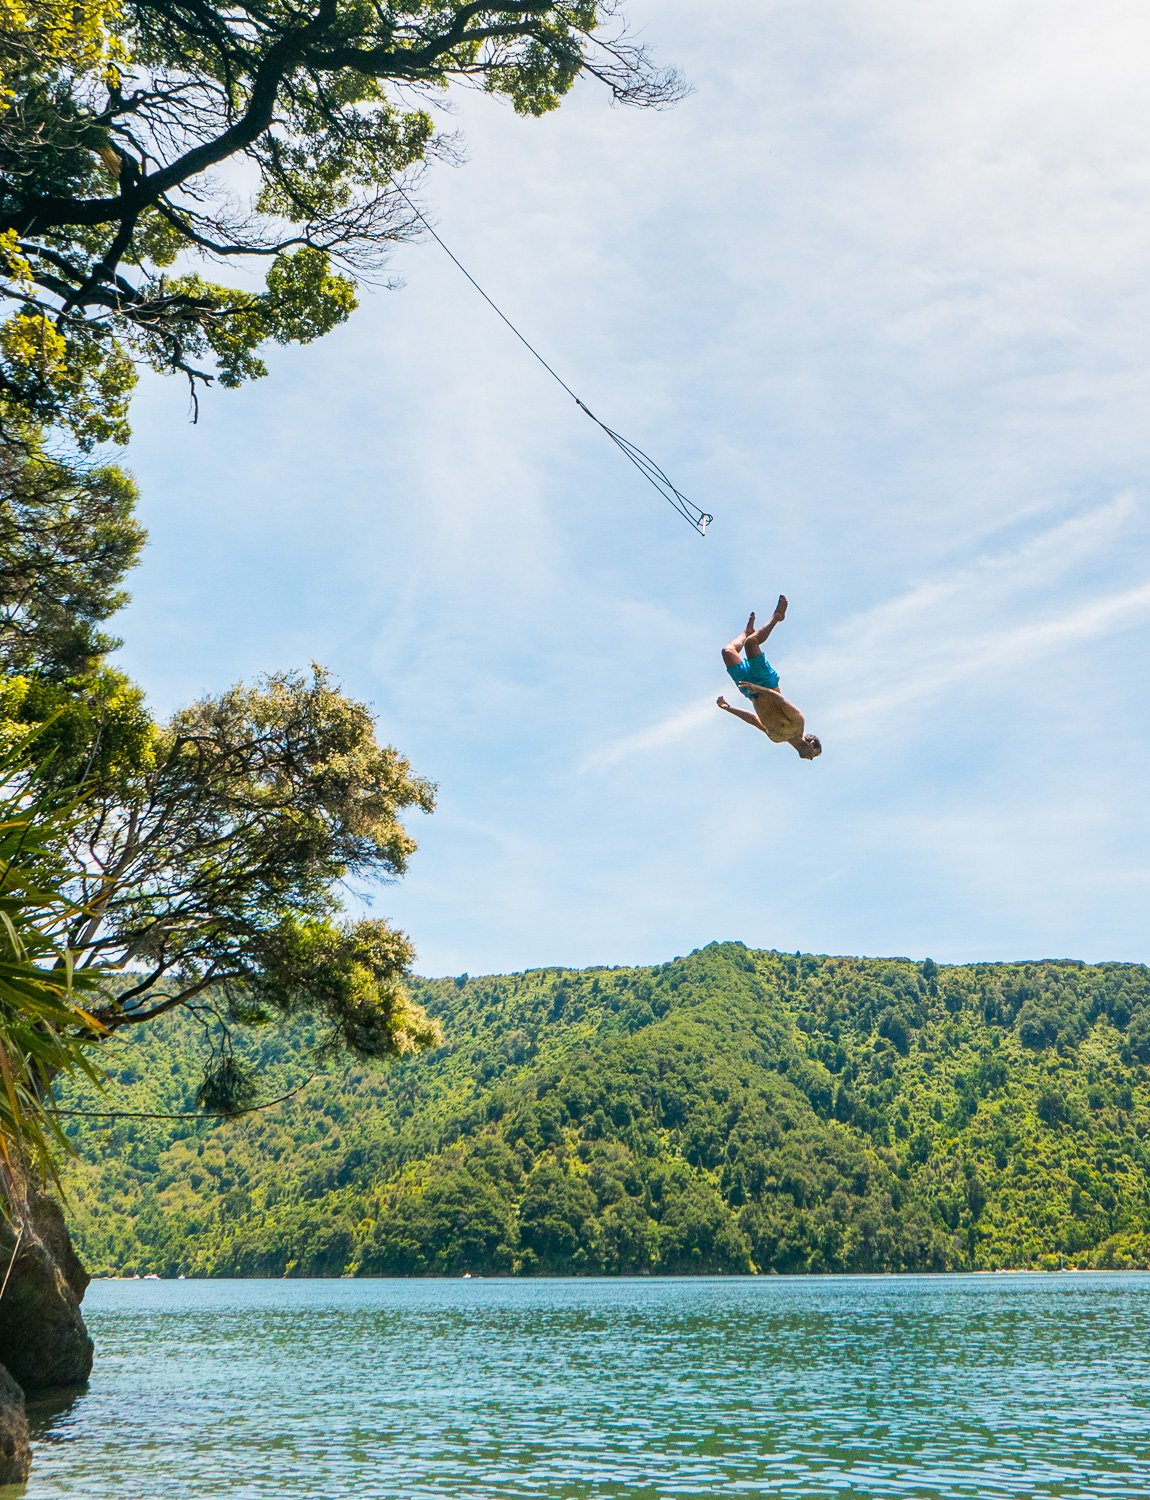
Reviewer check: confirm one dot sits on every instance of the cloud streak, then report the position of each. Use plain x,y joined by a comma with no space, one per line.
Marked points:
990,658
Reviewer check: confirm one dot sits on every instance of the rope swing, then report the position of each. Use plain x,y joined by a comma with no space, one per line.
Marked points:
650,470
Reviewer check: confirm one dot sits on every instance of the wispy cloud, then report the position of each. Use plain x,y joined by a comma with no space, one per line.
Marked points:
987,657
677,726
1038,560
980,622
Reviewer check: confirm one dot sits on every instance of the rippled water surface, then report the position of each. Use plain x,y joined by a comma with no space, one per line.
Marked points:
932,1387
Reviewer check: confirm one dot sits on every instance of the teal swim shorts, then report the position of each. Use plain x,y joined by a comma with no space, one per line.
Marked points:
753,669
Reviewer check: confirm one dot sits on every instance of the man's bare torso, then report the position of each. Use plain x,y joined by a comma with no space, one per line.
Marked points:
781,720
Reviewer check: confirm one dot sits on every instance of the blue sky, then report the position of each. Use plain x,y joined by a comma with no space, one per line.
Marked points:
876,296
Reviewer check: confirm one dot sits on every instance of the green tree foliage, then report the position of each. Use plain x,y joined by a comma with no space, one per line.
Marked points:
728,1112
68,536
120,116
218,859
213,851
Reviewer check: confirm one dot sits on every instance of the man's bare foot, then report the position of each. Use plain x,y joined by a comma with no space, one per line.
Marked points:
780,608
749,628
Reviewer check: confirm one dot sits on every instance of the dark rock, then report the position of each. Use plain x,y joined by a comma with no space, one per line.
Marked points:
43,1341
15,1458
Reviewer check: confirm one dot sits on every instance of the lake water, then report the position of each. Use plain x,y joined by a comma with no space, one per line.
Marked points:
931,1387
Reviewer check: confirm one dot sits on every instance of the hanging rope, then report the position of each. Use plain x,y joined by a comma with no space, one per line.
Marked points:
12,1261
650,470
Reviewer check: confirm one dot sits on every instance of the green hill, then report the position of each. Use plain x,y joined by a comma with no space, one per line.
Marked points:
726,1112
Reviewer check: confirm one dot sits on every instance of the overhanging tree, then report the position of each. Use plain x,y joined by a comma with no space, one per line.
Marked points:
141,132
216,863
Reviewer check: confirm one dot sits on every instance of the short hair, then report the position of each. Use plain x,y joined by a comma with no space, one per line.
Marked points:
815,743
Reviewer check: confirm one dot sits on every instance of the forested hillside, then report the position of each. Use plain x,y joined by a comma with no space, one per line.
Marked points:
727,1112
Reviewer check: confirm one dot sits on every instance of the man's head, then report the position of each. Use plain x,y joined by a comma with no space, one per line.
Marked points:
810,747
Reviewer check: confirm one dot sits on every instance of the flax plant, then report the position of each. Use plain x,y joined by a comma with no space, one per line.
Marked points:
45,1031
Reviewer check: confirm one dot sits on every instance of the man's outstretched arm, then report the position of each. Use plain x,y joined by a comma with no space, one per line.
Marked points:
740,714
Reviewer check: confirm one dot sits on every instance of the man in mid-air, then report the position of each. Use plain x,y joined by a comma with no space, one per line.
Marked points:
757,680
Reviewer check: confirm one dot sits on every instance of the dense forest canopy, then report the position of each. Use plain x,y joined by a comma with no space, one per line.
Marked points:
728,1112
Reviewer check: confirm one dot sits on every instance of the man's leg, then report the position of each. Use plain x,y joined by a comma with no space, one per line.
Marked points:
733,650
755,638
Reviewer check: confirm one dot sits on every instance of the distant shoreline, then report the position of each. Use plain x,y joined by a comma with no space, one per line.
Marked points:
769,1276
